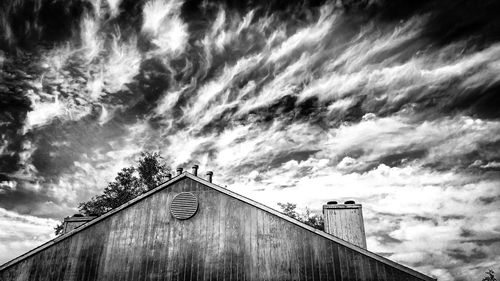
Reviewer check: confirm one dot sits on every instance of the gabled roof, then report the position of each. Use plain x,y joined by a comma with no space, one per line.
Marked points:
229,193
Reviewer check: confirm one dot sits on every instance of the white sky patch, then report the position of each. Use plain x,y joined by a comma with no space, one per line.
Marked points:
123,64
91,43
214,97
56,58
6,186
114,6
285,83
306,37
442,138
226,30
43,111
168,101
400,81
438,140
370,43
20,233
162,20
493,164
181,146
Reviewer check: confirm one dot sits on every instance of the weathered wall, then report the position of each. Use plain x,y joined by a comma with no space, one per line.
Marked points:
346,222
226,240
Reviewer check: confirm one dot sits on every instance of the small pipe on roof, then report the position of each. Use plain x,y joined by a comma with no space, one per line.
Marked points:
209,176
169,176
195,170
179,170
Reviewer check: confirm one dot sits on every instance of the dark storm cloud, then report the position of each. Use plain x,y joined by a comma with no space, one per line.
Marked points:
26,23
460,254
26,201
399,158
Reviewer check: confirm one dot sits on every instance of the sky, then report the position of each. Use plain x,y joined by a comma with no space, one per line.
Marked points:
393,104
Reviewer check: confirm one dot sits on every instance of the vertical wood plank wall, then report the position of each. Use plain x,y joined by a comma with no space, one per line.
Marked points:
346,222
227,239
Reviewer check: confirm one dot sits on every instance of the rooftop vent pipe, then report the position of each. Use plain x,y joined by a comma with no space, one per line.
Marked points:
345,221
209,176
169,176
179,171
195,170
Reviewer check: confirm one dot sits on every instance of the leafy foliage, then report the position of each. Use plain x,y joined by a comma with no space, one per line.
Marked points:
59,228
490,276
314,220
128,184
152,170
307,217
289,210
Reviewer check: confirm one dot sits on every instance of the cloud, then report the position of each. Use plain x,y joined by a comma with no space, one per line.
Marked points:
44,112
21,233
162,20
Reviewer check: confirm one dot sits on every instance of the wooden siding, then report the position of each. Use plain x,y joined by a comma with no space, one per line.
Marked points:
227,239
346,222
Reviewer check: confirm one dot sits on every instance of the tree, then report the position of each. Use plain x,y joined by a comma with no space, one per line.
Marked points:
490,276
314,220
307,217
59,228
149,172
152,170
130,182
289,210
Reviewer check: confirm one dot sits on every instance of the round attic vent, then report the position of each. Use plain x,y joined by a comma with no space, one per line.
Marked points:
184,205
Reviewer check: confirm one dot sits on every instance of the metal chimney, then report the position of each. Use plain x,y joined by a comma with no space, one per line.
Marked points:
209,176
169,176
195,170
345,221
179,170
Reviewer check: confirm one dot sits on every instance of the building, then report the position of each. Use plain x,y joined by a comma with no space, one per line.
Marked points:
191,229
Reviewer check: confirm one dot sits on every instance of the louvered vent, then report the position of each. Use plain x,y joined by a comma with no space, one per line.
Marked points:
184,205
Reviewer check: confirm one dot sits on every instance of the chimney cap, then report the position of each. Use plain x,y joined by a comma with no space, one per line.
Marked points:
196,166
332,202
350,202
209,176
195,170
